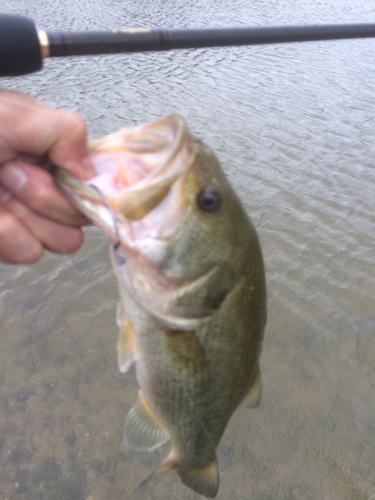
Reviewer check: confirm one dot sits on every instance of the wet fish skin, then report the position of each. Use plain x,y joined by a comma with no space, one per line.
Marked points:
192,314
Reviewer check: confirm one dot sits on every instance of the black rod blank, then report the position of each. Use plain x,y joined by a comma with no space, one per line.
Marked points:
22,48
144,40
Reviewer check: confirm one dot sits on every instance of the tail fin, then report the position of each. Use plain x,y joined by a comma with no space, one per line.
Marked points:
204,481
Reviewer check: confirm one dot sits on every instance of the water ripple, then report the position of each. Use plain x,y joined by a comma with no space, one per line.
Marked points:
293,126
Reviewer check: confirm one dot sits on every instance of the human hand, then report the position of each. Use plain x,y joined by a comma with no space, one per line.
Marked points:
34,214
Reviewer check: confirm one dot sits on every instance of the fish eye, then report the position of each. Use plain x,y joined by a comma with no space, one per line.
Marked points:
209,200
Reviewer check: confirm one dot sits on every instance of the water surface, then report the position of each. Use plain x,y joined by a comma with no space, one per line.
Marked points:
293,126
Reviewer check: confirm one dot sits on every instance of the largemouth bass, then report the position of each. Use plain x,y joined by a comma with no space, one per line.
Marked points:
192,286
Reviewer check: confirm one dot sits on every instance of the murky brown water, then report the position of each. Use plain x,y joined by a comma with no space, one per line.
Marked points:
294,128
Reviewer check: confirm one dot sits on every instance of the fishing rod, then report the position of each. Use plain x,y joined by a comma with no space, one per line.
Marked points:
23,48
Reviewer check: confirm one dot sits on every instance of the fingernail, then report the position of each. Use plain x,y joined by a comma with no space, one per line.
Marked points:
5,195
12,177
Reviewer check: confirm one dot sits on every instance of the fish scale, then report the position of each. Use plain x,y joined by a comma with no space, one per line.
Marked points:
192,287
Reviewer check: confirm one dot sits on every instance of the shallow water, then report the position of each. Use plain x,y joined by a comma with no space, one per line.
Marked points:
293,126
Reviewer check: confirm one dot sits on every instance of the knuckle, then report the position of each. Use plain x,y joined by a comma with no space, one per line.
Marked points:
75,124
41,201
40,193
17,246
6,225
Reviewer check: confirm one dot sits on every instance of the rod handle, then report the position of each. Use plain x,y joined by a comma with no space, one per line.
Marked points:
20,50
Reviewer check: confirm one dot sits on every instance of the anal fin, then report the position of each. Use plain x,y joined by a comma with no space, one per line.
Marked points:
204,481
143,431
125,346
253,397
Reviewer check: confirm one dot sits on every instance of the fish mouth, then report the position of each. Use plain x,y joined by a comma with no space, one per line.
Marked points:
136,169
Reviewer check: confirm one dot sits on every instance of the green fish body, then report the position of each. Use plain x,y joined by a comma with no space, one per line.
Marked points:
192,285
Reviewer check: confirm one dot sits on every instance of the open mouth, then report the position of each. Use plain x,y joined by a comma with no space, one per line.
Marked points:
136,169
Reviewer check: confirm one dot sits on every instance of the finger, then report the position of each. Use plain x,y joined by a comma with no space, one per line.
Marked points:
17,244
36,189
34,128
5,195
70,149
52,235
13,95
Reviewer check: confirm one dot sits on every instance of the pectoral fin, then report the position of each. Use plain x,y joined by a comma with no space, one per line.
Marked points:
253,397
120,314
125,345
143,431
185,350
